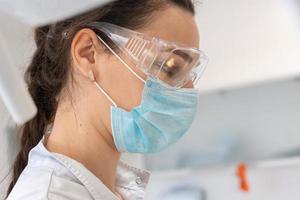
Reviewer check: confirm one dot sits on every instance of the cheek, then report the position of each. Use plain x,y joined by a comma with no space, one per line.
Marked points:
121,84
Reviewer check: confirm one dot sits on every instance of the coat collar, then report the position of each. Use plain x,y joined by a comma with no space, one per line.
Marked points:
131,182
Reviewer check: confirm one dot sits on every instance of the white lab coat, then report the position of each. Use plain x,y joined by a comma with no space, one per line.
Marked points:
54,176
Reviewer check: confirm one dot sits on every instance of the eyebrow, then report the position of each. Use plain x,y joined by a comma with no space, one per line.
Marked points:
183,55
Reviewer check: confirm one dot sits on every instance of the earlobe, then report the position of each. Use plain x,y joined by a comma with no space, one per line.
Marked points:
91,75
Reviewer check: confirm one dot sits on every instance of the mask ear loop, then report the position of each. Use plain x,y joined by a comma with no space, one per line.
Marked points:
122,61
92,78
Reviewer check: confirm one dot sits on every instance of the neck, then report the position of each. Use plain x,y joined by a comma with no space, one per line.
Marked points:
79,140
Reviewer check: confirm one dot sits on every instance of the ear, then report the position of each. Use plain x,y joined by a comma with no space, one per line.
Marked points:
84,47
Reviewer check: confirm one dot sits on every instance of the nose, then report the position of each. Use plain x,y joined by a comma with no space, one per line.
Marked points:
189,84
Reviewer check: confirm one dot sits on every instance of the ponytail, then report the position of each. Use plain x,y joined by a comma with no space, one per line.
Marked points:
43,88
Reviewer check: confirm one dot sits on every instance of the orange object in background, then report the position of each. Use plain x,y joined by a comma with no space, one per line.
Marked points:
242,175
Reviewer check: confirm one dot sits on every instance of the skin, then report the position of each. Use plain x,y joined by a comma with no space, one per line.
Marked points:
81,129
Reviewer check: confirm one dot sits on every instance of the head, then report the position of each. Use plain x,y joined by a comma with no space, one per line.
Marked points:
67,52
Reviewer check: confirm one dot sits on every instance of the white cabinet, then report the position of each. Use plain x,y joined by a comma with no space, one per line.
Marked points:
249,41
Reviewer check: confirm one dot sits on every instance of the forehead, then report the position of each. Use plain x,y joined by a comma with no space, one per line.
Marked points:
174,24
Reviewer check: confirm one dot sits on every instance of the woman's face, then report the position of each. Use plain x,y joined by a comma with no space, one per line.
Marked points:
172,24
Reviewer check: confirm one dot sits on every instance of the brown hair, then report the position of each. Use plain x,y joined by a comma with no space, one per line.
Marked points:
49,69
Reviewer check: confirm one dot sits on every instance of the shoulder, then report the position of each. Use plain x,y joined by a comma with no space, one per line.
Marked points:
46,183
45,178
33,183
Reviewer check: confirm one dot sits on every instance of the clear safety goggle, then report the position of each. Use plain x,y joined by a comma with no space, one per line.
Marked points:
168,62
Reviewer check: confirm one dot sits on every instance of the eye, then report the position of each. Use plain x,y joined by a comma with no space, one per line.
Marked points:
170,67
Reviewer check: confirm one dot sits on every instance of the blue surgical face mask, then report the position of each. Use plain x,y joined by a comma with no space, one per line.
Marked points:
163,117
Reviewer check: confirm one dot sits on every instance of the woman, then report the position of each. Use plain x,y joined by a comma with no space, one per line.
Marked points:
116,79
